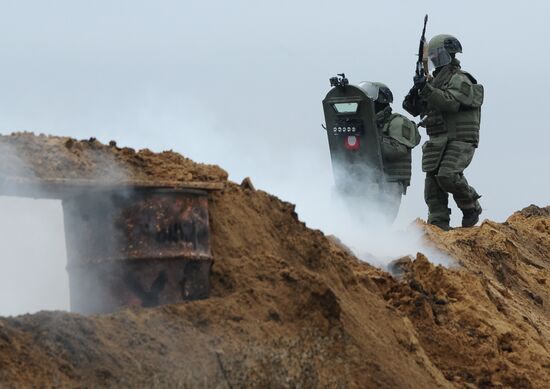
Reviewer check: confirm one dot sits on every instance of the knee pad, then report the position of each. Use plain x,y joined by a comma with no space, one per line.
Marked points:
448,182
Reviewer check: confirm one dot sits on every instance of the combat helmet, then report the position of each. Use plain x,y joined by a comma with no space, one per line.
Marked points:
442,48
377,91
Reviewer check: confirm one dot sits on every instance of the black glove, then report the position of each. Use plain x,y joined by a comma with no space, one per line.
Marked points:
419,81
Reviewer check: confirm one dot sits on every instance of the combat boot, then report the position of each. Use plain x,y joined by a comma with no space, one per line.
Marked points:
471,216
439,216
444,225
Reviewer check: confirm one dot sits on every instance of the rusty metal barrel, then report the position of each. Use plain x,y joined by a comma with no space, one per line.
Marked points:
136,247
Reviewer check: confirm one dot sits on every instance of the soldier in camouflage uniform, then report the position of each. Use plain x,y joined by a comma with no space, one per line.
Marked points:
450,103
399,136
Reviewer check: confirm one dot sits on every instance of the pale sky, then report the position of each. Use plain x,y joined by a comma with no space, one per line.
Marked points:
240,84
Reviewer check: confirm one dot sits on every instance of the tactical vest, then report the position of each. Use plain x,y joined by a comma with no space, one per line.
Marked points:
399,136
464,124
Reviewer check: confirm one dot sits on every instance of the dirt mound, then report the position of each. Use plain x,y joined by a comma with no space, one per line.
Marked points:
25,155
291,307
288,308
487,322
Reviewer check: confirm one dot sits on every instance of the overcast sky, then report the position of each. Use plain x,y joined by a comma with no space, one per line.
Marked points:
240,83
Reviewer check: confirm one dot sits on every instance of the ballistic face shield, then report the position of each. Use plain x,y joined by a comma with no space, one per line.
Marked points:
442,48
377,91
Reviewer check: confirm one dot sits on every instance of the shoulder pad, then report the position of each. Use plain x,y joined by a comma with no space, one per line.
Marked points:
466,92
472,78
461,87
395,117
403,130
398,119
458,78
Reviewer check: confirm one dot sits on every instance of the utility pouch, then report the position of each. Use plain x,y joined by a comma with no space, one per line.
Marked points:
392,150
432,151
435,125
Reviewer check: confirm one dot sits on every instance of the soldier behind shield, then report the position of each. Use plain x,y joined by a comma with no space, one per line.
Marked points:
398,136
370,146
449,102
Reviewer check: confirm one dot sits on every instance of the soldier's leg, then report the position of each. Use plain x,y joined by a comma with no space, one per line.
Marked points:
450,178
437,201
467,201
390,199
464,195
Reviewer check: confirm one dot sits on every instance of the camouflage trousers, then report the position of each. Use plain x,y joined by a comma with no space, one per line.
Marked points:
447,177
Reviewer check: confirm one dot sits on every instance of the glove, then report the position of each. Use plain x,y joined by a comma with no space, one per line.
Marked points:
419,81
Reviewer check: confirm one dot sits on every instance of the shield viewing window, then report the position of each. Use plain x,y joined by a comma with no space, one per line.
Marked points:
346,107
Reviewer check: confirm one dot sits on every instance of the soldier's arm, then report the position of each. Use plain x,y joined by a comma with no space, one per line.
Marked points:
458,92
413,104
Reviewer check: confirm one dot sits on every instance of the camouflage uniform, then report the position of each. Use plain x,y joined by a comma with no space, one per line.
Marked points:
399,137
451,102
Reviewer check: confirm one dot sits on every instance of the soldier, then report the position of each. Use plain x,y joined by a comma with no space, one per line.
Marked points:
399,136
449,102
370,146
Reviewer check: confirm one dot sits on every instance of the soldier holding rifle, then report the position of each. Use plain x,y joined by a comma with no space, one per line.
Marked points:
449,104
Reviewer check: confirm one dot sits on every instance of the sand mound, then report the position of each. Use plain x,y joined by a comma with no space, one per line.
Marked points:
25,155
291,308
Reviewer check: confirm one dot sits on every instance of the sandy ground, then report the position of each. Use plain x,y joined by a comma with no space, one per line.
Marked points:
25,155
292,308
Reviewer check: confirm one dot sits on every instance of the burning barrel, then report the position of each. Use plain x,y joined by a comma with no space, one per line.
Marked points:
141,247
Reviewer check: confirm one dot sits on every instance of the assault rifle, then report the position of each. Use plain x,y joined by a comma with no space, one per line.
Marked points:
412,100
422,62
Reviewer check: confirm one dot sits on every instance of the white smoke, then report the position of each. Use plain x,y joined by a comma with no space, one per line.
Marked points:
32,254
33,258
33,261
33,273
373,239
364,224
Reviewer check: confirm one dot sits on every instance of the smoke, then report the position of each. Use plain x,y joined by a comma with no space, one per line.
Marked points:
300,171
33,258
366,226
375,239
364,223
34,265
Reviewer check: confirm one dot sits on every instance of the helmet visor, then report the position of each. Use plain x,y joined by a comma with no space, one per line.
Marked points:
370,89
439,57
